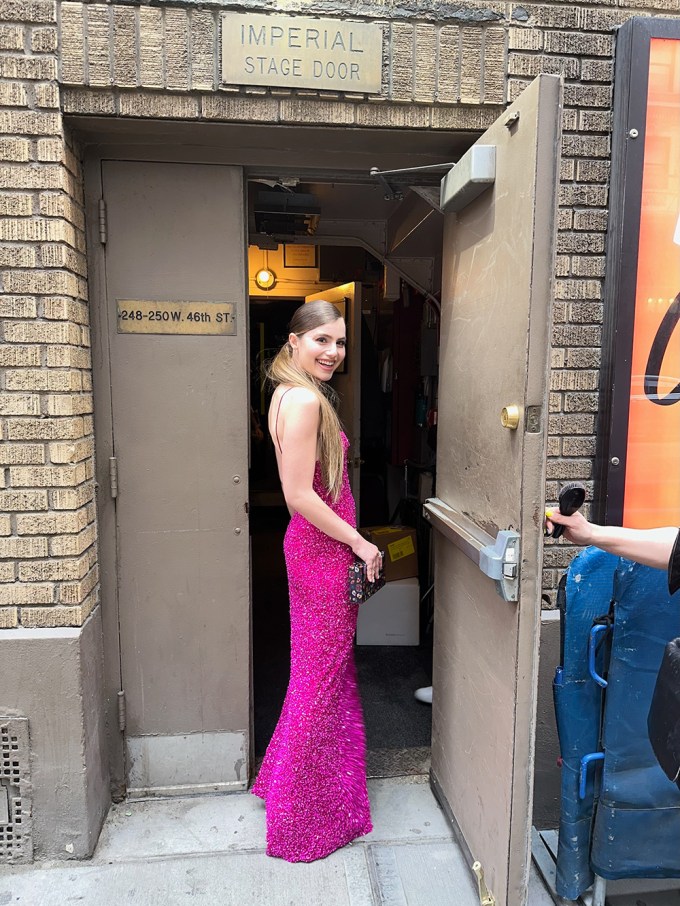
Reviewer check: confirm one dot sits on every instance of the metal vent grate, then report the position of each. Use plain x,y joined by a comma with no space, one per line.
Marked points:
16,843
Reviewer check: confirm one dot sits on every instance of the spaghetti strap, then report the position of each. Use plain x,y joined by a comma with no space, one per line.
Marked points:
276,423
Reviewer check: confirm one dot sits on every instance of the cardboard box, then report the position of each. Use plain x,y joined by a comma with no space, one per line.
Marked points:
399,544
391,616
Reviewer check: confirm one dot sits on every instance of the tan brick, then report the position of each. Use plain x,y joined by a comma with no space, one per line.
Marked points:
13,94
151,47
43,379
46,476
66,570
99,103
76,592
56,308
71,452
17,204
574,380
99,44
50,149
73,498
52,523
395,116
16,149
42,332
202,50
17,306
448,87
33,593
59,205
23,548
223,107
45,429
63,256
50,617
402,61
30,68
523,38
11,37
44,40
9,617
47,96
73,545
26,122
68,404
21,454
19,404
578,289
37,229
7,571
18,356
67,357
28,11
165,106
425,76
5,525
16,256
294,110
495,66
124,46
72,43
33,177
176,49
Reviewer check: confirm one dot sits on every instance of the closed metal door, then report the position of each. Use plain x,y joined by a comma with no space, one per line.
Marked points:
179,423
495,341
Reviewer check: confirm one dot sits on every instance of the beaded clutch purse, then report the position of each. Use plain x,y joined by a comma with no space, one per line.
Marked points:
360,589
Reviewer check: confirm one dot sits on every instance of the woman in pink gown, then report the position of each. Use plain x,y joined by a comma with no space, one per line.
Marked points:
313,777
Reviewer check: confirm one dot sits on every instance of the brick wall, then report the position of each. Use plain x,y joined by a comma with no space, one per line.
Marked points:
47,528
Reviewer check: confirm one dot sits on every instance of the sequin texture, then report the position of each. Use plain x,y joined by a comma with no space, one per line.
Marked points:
313,777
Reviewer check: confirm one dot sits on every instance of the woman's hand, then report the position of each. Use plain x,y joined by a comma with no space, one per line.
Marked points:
577,529
371,556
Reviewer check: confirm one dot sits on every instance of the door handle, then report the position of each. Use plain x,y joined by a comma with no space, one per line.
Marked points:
497,558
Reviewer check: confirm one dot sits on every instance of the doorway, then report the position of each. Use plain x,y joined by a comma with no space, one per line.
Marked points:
388,408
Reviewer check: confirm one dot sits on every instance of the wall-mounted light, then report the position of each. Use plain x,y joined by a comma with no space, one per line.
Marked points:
265,278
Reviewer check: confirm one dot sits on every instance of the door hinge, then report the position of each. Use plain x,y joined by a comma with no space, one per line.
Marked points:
103,233
113,476
486,898
122,712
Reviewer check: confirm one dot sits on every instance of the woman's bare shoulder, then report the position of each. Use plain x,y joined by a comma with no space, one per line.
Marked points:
298,398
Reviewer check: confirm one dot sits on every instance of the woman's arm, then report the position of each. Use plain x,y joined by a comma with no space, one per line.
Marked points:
299,422
652,547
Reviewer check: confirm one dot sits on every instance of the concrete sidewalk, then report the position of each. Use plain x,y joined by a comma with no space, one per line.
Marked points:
209,851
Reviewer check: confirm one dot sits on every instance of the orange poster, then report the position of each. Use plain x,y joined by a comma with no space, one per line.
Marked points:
652,488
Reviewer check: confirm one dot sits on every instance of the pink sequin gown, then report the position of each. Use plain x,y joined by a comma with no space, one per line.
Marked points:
313,777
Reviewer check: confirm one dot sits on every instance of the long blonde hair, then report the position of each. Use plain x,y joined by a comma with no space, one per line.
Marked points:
283,370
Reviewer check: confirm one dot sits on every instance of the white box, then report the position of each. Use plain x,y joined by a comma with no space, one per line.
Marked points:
392,615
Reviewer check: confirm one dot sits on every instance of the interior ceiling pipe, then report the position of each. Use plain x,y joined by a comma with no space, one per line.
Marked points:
431,300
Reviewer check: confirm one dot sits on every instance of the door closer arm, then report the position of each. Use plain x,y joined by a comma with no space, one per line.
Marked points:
497,558
396,194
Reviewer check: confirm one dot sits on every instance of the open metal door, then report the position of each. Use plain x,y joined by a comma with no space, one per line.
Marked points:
347,382
497,278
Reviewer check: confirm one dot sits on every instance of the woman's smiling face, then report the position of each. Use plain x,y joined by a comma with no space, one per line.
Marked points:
321,350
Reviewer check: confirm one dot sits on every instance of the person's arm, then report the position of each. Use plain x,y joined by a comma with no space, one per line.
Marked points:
299,421
652,547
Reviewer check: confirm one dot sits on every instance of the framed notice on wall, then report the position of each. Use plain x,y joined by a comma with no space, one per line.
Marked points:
640,451
299,255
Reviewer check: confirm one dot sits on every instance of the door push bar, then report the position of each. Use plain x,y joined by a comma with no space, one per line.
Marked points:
497,558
